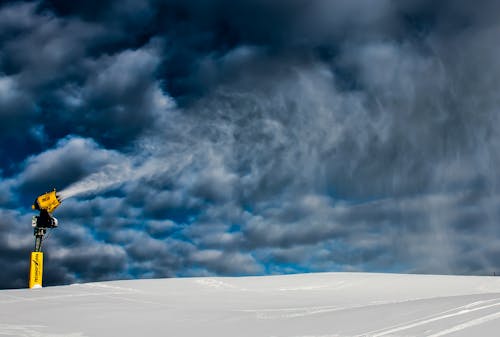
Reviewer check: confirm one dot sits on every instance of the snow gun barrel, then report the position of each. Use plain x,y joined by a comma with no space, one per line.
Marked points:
47,202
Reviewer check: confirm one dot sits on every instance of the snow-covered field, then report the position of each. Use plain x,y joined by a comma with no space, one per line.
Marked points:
312,305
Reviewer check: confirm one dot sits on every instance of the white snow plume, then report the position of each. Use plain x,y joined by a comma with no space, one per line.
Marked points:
125,170
110,176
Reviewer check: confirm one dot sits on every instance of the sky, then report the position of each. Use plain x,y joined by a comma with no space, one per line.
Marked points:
251,137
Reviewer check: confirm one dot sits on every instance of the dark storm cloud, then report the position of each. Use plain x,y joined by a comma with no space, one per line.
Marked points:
59,76
14,248
70,160
247,137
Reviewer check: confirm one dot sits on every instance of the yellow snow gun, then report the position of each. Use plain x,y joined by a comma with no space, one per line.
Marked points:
48,202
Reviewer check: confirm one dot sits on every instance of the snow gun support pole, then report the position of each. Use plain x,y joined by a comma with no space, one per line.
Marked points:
46,204
39,233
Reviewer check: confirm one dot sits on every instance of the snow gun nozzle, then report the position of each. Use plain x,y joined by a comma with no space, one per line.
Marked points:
47,202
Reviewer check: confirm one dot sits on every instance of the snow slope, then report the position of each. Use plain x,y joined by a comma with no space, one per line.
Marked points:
312,305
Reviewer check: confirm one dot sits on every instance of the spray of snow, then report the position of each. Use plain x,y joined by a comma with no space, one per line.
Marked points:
114,175
111,176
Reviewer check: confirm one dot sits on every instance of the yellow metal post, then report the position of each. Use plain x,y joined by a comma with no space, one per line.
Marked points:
36,270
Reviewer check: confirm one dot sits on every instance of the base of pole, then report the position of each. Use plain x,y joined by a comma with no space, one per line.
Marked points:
36,270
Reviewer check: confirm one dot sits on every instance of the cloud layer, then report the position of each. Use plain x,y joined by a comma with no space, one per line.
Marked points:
250,137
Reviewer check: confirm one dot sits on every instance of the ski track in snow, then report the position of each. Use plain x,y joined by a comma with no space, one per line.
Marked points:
279,313
286,313
462,310
16,299
218,284
468,324
32,331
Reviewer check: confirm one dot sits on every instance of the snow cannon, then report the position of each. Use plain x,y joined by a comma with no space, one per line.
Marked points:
48,201
46,204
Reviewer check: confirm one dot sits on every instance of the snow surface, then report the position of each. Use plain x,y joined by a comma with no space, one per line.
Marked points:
305,305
